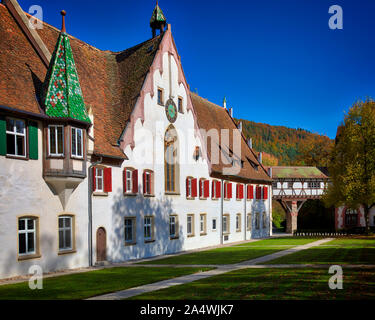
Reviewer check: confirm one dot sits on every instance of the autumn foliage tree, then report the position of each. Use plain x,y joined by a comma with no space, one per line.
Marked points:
352,162
315,151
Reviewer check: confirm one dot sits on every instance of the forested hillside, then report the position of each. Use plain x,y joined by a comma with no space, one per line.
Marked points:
289,146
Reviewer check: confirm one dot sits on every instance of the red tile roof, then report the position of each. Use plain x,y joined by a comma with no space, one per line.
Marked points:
211,116
110,82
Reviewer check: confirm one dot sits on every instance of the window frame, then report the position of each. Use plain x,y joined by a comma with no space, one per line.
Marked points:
248,221
204,231
16,134
161,101
175,224
180,109
72,233
313,185
28,254
97,179
227,224
264,220
57,154
133,224
76,142
148,174
192,226
238,222
257,220
150,226
212,226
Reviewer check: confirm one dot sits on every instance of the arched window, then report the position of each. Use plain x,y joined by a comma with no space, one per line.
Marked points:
171,168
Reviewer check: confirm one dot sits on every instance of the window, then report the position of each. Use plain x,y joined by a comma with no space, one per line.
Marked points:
173,227
56,140
227,190
264,220
250,192
216,189
191,187
148,228
65,233
351,218
274,185
257,222
226,223
27,236
313,185
248,222
238,222
171,172
77,143
16,137
290,185
99,180
130,181
239,191
148,182
214,227
180,105
130,227
202,226
160,96
190,225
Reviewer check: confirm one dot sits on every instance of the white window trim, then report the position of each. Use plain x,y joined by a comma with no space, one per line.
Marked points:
204,222
57,154
191,233
15,134
148,176
26,231
190,189
146,225
76,142
133,226
64,229
129,180
214,219
97,178
174,217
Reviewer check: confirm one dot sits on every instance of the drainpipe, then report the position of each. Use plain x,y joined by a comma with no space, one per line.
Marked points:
221,210
244,213
90,183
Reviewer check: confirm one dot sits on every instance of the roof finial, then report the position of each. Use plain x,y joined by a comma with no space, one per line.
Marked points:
63,14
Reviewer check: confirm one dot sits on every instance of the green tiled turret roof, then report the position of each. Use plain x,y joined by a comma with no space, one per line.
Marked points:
62,94
157,16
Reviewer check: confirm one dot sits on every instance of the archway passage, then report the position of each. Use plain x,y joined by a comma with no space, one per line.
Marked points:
101,245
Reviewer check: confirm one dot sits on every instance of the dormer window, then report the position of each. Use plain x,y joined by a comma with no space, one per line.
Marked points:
77,143
56,140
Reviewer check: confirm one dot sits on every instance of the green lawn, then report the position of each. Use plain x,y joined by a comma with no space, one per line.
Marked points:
88,284
234,254
338,251
275,284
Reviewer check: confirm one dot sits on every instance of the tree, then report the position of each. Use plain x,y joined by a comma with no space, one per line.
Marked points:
314,151
352,163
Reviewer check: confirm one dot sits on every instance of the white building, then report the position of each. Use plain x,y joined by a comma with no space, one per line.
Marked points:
116,165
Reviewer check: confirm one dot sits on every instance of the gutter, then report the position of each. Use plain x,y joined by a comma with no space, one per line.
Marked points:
90,183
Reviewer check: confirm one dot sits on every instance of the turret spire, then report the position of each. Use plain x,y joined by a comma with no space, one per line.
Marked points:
62,95
158,20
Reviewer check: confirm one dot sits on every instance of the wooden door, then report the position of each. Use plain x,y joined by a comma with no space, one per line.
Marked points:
101,245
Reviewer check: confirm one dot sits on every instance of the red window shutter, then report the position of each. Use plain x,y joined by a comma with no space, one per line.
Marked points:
218,189
240,187
200,188
206,188
135,181
258,192
144,182
194,187
124,180
107,179
212,188
265,193
93,178
250,192
150,182
237,191
229,190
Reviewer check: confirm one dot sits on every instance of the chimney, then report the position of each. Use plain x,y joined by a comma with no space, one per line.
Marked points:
270,171
231,112
240,126
250,143
260,157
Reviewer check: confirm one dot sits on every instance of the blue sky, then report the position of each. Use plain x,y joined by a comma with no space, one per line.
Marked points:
276,61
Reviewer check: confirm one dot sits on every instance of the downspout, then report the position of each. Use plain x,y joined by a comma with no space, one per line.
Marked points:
221,210
90,182
244,213
270,208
